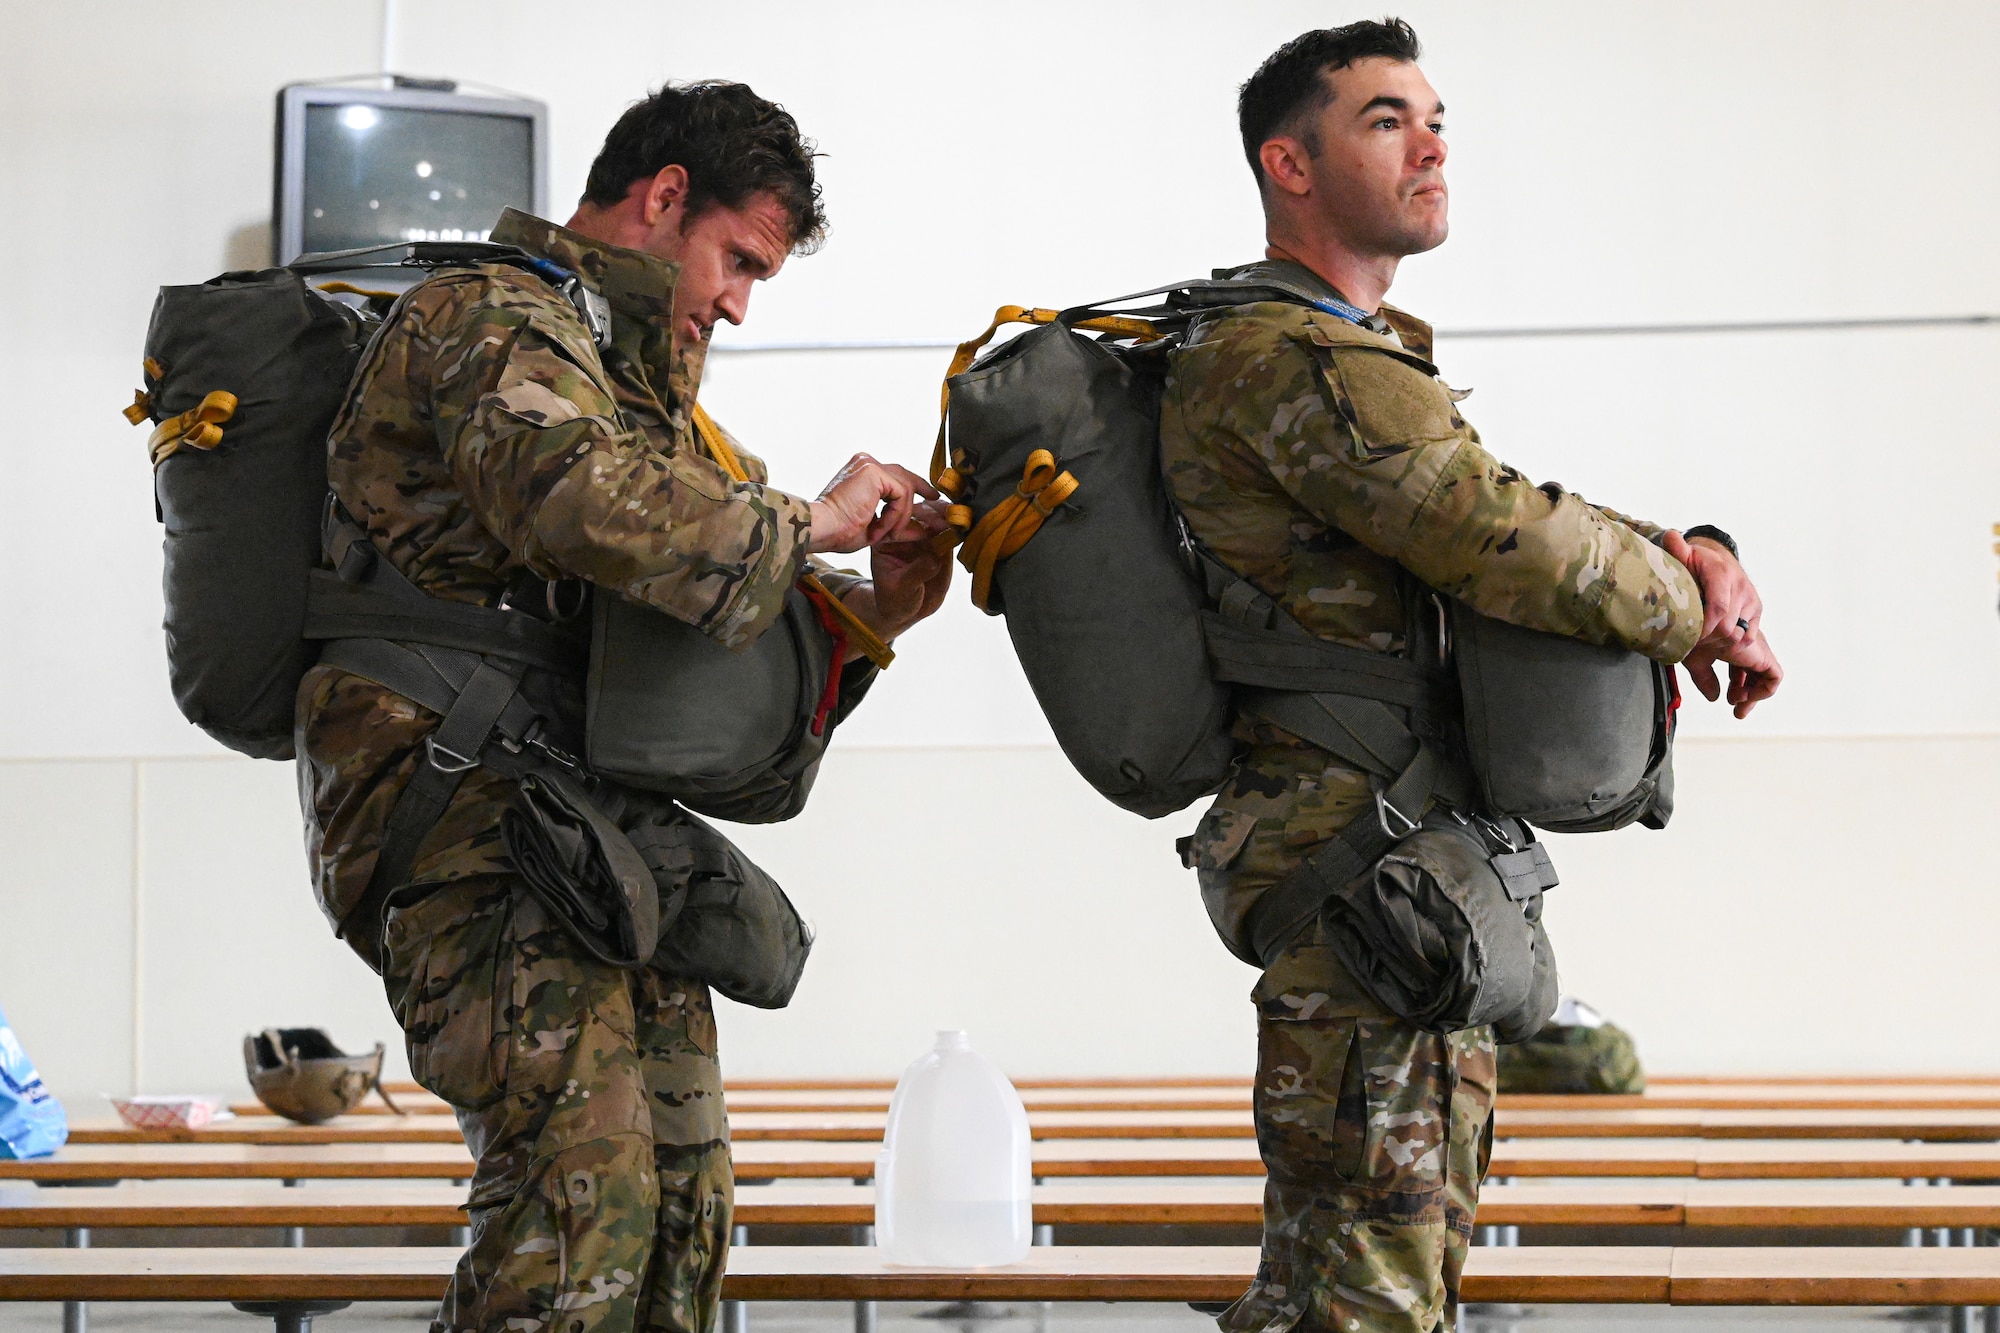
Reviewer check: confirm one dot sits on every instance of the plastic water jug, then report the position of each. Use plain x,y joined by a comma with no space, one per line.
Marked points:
953,1184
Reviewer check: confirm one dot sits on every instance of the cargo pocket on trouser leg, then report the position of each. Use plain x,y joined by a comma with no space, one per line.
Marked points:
447,969
1308,1152
1473,1081
567,1252
1352,1118
684,1283
1396,1232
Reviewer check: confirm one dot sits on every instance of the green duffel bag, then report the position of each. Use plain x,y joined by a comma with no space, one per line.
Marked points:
1576,1053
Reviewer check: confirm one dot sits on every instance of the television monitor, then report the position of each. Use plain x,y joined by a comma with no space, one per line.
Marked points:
376,166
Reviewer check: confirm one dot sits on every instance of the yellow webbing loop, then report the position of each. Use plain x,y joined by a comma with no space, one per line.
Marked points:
199,427
349,289
142,401
864,639
1008,525
1020,523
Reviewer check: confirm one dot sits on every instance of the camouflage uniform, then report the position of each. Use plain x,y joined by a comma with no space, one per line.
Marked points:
487,440
1316,457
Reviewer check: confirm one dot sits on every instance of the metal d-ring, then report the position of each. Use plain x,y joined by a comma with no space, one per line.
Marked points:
1499,834
446,760
1385,811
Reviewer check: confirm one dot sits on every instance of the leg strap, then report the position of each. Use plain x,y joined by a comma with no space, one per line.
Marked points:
476,696
1297,898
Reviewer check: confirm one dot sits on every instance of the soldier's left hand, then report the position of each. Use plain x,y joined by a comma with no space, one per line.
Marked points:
1732,628
911,575
1730,606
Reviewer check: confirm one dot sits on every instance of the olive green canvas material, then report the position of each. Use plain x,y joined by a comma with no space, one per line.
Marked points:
242,519
671,710
1101,606
1436,936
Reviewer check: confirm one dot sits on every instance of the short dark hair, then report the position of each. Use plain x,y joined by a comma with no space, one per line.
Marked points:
731,142
1292,84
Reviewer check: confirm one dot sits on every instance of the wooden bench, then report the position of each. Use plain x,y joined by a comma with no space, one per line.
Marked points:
1720,1204
1922,1124
293,1285
1054,1158
1801,1094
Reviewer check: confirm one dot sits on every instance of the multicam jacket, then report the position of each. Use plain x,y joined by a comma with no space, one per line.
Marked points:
1317,458
488,438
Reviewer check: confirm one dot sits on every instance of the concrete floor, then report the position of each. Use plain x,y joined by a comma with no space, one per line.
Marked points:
385,1317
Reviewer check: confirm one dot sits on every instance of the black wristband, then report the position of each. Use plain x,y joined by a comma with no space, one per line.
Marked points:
1714,534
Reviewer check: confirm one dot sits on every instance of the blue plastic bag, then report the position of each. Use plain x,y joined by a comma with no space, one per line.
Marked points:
32,1123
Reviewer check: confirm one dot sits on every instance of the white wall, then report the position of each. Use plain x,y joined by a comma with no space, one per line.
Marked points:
1638,163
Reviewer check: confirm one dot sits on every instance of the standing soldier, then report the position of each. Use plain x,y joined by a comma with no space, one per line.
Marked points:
1314,451
495,445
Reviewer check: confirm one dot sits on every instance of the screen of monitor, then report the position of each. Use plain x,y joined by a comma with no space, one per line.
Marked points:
374,174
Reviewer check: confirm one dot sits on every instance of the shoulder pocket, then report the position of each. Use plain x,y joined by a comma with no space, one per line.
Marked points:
1387,401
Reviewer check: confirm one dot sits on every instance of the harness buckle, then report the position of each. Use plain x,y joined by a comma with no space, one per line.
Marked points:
1385,812
555,753
446,760
1498,832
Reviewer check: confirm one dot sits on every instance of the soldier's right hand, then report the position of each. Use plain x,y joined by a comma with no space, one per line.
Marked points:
1754,673
867,502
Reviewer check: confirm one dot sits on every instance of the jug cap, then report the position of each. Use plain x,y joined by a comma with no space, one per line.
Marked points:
952,1039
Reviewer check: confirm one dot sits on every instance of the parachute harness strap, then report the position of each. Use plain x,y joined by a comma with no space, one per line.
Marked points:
200,427
1009,524
859,633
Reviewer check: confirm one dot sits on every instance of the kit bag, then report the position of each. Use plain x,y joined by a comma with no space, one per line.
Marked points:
244,375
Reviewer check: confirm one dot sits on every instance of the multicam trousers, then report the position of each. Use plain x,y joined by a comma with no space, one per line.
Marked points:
592,1101
1375,1135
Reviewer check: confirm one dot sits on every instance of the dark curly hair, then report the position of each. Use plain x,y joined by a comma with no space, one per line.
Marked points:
732,143
1291,86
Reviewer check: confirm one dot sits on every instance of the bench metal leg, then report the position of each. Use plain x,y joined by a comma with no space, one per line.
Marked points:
864,1311
76,1314
295,1237
291,1316
736,1314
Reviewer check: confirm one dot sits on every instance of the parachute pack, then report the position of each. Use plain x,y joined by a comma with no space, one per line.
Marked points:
266,576
1141,649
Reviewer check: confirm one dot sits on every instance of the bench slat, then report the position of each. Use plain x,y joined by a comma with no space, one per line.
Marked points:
1835,1275
1054,1273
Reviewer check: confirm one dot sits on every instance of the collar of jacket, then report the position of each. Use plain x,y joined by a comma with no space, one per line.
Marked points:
1415,335
639,286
